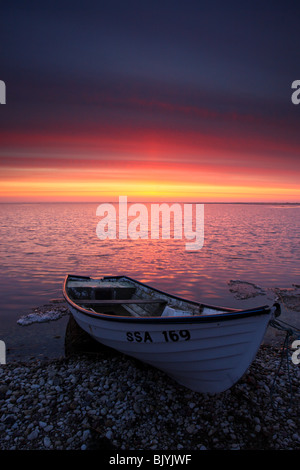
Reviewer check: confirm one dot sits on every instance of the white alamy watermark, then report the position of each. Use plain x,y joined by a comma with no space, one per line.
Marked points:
2,92
296,94
296,354
2,352
141,221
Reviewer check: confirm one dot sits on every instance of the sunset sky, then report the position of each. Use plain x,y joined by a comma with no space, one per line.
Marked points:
161,100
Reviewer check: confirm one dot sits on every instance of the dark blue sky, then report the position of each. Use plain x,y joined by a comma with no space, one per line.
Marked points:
229,47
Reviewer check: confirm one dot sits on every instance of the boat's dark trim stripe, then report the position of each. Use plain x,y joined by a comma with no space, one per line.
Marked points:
230,314
174,320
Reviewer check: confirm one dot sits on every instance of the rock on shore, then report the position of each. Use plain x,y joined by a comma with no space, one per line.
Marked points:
101,402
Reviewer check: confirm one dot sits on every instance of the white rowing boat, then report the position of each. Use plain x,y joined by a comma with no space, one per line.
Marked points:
205,348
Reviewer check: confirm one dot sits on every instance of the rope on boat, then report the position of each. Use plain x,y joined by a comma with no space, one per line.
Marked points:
291,331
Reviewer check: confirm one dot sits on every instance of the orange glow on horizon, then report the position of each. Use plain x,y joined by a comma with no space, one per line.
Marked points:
146,166
29,190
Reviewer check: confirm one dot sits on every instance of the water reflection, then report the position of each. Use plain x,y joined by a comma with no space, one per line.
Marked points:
40,243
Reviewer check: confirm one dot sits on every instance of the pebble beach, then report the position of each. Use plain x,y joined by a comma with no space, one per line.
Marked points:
106,401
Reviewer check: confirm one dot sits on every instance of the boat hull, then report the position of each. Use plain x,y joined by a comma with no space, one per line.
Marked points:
206,356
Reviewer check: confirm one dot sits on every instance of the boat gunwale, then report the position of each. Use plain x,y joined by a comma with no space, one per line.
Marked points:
230,314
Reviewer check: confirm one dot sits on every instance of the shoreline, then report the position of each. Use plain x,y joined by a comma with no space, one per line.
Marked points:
94,398
107,401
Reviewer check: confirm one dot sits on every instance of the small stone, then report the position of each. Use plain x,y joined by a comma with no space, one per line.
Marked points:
85,434
137,408
235,447
48,428
33,435
191,429
47,442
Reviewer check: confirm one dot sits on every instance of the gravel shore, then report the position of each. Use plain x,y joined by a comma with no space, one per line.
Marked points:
108,401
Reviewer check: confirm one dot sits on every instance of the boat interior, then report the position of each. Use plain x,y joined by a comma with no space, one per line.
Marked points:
115,296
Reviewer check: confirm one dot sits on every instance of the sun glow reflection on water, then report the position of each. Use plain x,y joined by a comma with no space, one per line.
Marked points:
41,243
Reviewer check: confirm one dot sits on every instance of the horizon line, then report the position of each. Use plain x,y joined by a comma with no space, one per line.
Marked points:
150,202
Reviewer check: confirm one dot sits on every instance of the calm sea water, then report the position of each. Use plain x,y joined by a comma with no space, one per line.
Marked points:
41,243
